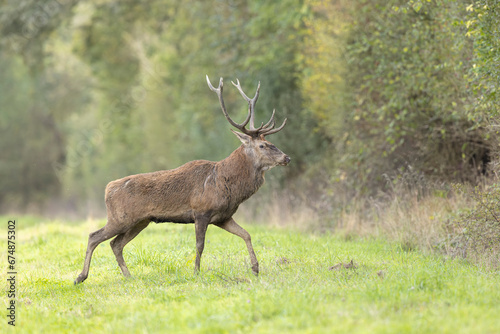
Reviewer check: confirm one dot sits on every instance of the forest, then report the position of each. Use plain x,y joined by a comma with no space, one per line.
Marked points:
392,107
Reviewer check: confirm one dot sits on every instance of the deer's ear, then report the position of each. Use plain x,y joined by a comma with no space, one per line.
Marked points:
245,139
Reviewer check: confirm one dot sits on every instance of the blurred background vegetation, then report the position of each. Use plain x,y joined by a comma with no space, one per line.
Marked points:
377,92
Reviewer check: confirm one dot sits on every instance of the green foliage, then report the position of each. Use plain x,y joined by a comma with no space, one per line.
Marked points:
389,290
410,103
32,140
324,65
396,92
104,43
369,88
475,233
27,25
483,27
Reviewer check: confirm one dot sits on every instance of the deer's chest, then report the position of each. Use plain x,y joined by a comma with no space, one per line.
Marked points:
221,196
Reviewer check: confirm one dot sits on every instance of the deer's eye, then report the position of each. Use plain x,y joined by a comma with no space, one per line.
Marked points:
261,146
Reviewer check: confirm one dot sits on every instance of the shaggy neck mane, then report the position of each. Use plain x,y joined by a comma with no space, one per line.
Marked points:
240,175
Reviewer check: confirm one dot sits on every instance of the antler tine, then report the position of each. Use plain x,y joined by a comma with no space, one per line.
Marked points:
212,88
271,130
251,103
269,125
218,91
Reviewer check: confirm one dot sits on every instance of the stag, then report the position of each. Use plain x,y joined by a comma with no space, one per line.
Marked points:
200,192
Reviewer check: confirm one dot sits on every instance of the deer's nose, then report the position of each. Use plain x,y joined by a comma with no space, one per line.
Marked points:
287,159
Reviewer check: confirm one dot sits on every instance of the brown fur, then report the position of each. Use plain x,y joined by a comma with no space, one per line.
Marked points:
200,192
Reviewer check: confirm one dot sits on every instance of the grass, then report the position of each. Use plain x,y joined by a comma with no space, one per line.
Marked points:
390,290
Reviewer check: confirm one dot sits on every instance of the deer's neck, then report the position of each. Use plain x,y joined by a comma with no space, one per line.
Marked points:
240,176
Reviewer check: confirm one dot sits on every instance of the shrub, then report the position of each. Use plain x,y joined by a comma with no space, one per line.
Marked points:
475,233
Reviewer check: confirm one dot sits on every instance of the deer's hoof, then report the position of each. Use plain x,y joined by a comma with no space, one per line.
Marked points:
79,279
255,270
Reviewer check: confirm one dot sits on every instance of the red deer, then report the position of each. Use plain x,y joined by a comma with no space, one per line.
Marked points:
200,192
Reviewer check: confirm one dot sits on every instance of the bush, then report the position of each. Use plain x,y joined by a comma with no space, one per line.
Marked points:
475,233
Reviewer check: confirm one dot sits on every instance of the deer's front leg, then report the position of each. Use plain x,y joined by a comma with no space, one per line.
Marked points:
232,227
200,225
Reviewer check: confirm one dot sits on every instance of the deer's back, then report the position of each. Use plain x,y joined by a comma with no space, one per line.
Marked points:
162,196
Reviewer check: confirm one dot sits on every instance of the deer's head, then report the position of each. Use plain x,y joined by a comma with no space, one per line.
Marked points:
263,153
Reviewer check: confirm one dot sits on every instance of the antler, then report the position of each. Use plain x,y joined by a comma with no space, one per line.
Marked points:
262,130
218,91
251,103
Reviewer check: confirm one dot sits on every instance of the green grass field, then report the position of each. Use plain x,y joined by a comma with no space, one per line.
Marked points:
389,291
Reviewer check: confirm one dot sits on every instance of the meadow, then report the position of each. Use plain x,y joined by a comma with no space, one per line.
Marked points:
301,287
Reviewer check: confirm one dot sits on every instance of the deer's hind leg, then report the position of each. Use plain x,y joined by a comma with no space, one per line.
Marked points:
95,238
121,240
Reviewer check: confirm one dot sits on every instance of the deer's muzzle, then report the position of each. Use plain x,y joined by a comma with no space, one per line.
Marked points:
286,161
